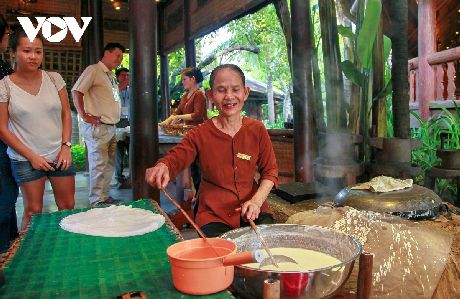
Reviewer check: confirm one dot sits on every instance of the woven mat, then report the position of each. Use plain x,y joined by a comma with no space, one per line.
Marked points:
53,263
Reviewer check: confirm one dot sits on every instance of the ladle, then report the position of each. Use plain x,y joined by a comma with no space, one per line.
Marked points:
272,259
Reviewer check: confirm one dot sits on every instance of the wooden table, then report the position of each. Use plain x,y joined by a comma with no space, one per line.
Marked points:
130,264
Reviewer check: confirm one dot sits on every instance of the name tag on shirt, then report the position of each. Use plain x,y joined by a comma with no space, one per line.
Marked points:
243,156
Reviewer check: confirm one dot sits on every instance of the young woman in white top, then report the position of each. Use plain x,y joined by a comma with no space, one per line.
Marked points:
35,123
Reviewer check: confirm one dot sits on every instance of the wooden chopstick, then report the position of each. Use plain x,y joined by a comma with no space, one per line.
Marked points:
199,231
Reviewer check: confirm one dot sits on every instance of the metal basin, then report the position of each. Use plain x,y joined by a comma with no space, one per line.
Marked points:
319,283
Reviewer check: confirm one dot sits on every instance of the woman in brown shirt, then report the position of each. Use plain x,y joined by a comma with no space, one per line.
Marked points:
229,149
192,106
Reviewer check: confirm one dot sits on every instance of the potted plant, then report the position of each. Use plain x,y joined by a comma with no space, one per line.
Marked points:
449,153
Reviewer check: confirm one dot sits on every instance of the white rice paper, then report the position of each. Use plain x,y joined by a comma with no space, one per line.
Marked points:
113,221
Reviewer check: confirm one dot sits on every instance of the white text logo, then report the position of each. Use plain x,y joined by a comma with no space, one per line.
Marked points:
62,23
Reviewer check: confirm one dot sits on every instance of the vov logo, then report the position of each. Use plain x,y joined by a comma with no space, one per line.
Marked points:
45,25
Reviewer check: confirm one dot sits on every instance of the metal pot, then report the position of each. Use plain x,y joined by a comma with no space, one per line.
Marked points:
415,203
202,267
319,283
450,159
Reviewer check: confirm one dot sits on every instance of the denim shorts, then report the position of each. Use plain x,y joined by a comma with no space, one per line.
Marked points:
23,172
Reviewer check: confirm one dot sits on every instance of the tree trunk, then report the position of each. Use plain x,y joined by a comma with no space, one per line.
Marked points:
270,100
287,104
332,71
355,100
379,112
282,11
399,72
317,94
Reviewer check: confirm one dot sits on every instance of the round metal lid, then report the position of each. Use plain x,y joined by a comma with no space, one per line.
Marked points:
413,203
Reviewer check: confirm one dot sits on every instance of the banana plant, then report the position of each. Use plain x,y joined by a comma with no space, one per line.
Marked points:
359,69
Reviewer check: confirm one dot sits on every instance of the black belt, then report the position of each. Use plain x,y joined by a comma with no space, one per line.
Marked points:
107,124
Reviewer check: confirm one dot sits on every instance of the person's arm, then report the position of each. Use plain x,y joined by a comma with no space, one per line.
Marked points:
77,98
81,87
268,176
13,141
64,158
157,176
199,109
178,158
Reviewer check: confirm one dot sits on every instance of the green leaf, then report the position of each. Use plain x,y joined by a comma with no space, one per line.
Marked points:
386,47
352,73
368,32
345,31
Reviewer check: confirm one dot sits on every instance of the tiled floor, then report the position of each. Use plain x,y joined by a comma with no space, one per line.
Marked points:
81,199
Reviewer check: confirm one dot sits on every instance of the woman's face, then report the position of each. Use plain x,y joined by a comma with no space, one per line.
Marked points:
4,40
188,82
29,55
228,92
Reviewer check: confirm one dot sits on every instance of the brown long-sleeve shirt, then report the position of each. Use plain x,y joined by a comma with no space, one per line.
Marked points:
228,166
195,105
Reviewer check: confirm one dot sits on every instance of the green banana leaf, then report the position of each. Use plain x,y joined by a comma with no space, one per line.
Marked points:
345,31
352,73
368,32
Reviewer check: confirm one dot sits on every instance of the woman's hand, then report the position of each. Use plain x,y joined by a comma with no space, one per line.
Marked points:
176,119
157,176
64,158
167,121
251,209
40,163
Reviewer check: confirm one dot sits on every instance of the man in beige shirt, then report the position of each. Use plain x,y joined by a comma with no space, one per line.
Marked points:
97,99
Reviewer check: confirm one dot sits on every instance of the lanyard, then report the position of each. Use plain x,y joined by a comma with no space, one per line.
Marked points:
115,91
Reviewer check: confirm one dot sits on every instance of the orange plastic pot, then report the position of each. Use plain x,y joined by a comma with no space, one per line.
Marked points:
199,269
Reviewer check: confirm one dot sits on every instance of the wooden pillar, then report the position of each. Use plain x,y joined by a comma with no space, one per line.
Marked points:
97,41
164,66
302,90
164,77
143,92
85,46
189,43
399,71
426,45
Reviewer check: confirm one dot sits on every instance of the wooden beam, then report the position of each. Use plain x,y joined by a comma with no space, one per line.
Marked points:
426,45
189,42
444,56
437,58
207,16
